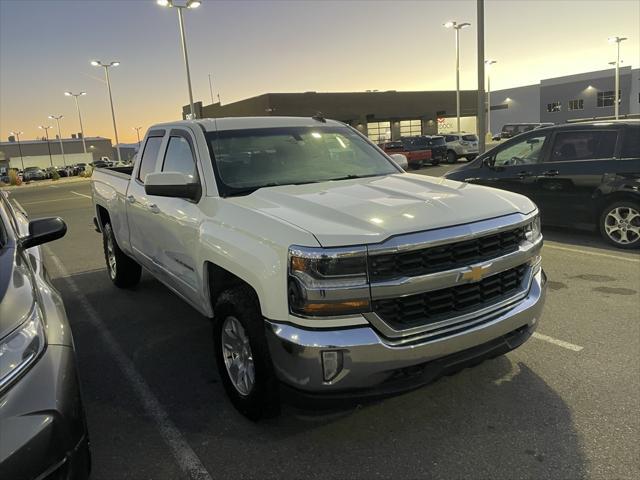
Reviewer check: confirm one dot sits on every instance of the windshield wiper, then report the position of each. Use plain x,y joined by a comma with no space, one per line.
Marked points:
351,177
250,190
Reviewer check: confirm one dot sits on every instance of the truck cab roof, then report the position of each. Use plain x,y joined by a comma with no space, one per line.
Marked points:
245,123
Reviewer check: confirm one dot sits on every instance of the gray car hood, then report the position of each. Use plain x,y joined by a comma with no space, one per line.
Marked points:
370,210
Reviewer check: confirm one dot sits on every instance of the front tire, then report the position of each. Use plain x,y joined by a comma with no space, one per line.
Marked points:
620,224
242,354
123,271
452,157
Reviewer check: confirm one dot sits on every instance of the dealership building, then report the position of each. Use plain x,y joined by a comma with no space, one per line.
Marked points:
390,115
43,154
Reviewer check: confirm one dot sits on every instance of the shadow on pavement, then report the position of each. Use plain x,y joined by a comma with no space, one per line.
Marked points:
497,420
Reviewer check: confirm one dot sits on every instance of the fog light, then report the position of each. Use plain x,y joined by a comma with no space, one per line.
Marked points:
331,364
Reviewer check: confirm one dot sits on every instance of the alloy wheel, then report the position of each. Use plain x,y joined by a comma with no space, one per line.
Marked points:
238,358
111,257
622,225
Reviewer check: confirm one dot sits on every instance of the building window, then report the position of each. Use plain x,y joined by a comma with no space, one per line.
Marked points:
379,132
576,104
608,98
409,128
554,107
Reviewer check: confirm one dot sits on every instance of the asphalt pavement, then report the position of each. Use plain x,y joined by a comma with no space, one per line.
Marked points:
564,406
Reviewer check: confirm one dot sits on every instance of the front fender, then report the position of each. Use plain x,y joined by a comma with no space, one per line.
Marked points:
254,248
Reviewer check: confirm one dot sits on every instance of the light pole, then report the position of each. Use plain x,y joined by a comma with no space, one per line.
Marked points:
457,27
57,119
617,40
488,63
179,8
46,131
75,97
17,135
211,89
137,129
106,66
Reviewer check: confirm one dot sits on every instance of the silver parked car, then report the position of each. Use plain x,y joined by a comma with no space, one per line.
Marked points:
461,145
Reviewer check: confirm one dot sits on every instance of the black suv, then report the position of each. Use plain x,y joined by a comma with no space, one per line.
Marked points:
578,174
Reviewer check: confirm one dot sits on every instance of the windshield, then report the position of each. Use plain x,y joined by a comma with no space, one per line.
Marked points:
246,160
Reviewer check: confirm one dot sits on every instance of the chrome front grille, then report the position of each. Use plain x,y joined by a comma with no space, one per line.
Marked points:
443,281
444,257
437,305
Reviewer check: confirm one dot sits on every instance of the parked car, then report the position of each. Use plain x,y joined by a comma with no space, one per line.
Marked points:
438,147
42,420
416,154
578,174
78,168
461,145
510,130
101,164
34,173
326,276
425,142
65,171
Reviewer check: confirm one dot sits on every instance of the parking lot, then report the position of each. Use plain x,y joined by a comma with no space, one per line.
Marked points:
564,405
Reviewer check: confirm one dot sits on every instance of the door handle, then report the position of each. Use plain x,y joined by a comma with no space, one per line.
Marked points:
524,174
550,173
131,199
153,208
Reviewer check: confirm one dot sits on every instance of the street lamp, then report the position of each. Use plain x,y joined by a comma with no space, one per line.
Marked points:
17,135
75,97
189,4
457,27
488,63
57,118
137,129
617,40
46,131
106,66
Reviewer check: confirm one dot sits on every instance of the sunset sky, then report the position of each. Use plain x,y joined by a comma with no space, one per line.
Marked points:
254,47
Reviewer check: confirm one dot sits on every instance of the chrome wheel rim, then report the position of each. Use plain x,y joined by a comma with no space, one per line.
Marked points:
238,358
622,225
111,257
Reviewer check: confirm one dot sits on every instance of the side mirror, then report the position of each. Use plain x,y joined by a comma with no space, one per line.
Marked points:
44,230
488,161
172,184
400,160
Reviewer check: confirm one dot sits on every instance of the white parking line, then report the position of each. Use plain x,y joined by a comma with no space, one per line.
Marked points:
81,194
555,341
588,252
182,452
51,200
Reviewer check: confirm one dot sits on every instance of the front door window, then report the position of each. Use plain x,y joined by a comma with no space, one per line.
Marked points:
524,152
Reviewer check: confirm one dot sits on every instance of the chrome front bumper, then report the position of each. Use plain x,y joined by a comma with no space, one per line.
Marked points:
372,362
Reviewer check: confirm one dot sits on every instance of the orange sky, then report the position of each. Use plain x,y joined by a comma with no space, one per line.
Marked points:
254,47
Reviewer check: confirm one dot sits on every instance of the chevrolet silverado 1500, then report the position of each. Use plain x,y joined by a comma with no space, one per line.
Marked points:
328,271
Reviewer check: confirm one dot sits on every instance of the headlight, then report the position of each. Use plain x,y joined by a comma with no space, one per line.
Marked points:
21,348
328,281
533,231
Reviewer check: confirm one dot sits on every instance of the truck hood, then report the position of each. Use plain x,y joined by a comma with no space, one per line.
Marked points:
370,210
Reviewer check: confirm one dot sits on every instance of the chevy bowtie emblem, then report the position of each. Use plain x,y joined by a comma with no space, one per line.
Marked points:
475,273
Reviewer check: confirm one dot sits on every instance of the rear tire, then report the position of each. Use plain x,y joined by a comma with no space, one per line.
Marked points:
452,157
620,224
123,271
237,318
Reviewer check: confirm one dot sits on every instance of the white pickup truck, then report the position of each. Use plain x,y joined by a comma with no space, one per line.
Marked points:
328,271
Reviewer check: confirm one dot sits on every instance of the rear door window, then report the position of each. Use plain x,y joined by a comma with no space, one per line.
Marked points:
149,157
631,143
583,145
